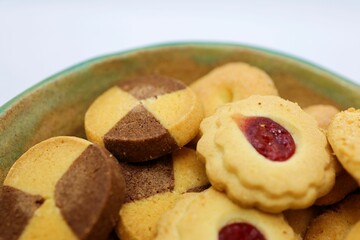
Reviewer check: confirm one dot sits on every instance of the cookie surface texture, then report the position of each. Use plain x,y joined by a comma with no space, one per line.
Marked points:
262,151
336,223
62,188
231,82
211,215
144,118
155,186
344,137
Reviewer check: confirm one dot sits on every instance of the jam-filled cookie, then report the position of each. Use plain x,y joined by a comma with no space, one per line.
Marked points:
62,188
344,183
335,223
231,82
144,118
344,137
153,187
211,215
262,151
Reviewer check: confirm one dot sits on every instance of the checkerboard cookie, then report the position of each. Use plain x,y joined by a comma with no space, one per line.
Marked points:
153,187
262,151
211,215
62,188
231,82
344,137
144,118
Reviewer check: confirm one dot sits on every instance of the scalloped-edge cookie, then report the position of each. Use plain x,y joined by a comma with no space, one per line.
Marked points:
344,137
211,215
231,82
266,152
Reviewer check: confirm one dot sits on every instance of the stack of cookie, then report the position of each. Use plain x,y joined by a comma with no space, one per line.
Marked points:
225,158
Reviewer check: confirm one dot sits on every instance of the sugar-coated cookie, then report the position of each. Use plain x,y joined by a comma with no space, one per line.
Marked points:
344,137
262,151
335,223
144,118
231,82
61,188
344,183
211,215
153,187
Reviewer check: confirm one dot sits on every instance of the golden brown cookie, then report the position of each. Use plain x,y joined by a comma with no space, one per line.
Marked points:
231,82
335,223
262,151
153,187
300,219
211,215
144,118
62,188
322,113
344,137
354,232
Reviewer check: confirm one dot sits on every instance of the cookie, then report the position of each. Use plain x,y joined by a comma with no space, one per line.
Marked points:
153,187
144,118
344,137
63,186
354,232
335,223
211,215
344,183
262,151
231,82
322,113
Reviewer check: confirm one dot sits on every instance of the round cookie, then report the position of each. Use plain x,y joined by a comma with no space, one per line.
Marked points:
211,215
344,137
354,232
153,187
322,114
231,82
144,118
335,223
63,186
344,183
262,151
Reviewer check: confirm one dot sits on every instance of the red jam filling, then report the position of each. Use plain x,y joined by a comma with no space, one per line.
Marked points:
240,231
269,138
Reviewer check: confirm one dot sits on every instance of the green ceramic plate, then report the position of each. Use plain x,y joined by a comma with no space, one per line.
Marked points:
56,106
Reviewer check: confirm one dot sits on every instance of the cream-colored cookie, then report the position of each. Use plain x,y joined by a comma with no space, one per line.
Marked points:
153,187
263,151
344,137
231,82
322,113
211,215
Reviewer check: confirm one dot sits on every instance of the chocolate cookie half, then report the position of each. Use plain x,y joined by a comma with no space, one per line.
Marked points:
144,118
63,186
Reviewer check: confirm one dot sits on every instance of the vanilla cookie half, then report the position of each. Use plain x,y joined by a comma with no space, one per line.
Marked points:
153,187
344,137
211,215
231,82
144,118
266,152
62,188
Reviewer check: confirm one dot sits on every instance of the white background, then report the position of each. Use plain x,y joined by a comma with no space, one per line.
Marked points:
40,38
